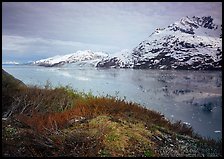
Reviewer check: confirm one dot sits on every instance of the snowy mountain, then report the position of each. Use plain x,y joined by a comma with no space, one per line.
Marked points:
81,57
122,59
10,63
191,43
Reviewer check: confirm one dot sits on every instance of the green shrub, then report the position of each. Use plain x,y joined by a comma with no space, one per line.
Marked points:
148,153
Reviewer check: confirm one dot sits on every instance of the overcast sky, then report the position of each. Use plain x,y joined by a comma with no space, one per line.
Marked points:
35,30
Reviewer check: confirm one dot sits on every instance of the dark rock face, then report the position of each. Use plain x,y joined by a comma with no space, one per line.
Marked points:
107,63
206,22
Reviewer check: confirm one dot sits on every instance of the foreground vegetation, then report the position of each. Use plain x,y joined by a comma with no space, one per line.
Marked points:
63,122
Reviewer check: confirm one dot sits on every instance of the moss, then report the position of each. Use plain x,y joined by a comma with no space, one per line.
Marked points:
148,153
119,136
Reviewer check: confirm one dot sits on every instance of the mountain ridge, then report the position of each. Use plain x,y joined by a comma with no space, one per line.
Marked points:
190,43
78,56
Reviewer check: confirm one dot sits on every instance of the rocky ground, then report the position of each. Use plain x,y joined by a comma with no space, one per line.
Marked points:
183,146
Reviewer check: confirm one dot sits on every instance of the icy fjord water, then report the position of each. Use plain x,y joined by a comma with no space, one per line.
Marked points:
194,97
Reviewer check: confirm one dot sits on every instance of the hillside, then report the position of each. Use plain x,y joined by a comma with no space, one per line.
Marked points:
60,122
10,86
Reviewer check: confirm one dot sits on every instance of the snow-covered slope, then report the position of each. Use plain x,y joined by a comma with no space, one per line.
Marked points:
122,59
190,43
10,63
86,56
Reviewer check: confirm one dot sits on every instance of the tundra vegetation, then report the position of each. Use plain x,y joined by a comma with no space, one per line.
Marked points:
53,122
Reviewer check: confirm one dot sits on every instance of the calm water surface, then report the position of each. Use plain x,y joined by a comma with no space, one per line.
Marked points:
194,97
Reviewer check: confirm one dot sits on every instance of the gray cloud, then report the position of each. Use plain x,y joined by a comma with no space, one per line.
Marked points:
108,26
20,45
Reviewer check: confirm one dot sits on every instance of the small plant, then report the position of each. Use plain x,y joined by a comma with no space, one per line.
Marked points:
112,137
48,85
10,131
90,94
148,153
104,153
116,94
